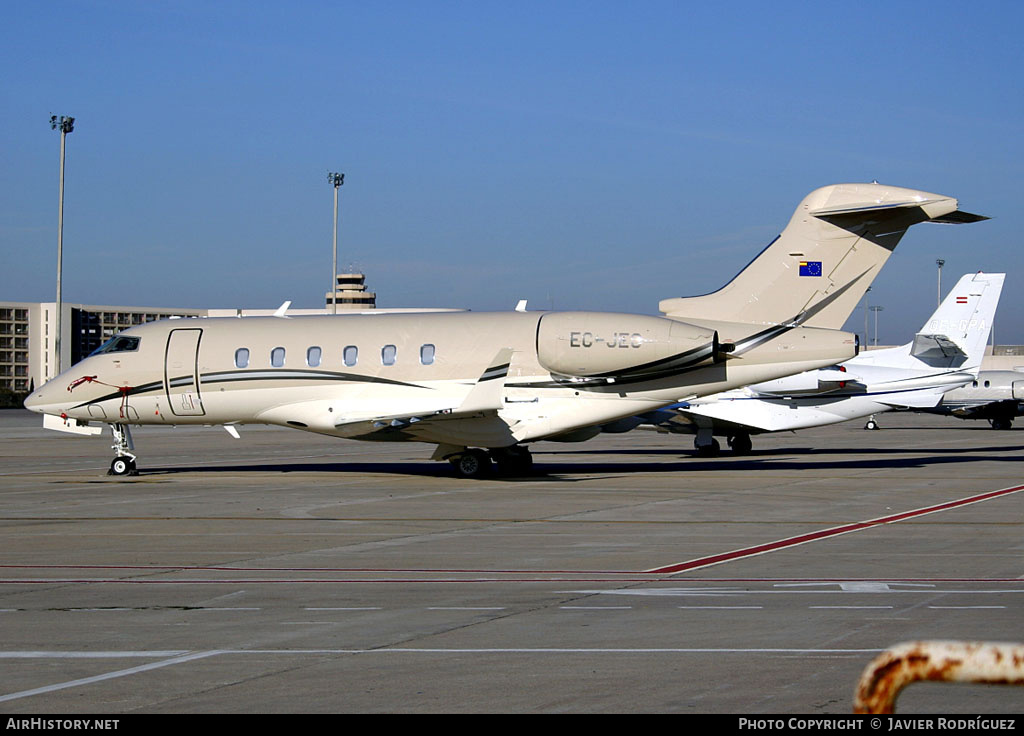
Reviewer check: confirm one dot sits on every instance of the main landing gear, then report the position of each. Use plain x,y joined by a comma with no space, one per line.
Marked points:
708,449
1001,422
124,463
475,463
871,423
740,443
707,446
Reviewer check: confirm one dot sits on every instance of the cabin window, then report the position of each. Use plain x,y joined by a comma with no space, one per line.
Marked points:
277,357
974,384
313,357
242,358
987,384
387,355
427,354
350,355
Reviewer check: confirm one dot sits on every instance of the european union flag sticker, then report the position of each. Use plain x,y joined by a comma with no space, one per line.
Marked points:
810,268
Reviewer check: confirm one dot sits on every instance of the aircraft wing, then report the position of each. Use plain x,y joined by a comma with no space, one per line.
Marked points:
987,409
923,399
749,415
485,397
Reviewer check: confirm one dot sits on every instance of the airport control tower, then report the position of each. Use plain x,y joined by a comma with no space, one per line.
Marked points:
350,293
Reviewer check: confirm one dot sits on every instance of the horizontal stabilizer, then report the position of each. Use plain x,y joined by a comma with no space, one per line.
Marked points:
935,346
956,217
959,217
859,208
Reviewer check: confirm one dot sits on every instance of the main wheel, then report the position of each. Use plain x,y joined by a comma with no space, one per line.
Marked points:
472,464
1001,423
122,465
740,444
515,460
710,450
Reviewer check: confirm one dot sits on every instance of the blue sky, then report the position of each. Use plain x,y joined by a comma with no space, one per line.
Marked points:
582,155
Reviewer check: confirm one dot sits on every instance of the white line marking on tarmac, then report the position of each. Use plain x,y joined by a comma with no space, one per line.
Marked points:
850,607
465,608
353,608
181,658
596,608
107,676
721,608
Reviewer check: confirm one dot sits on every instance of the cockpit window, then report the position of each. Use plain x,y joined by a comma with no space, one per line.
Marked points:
118,344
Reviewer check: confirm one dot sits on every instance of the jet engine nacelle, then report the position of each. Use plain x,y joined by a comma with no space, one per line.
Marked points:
600,344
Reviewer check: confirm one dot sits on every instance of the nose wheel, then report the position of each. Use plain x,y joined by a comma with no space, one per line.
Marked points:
124,462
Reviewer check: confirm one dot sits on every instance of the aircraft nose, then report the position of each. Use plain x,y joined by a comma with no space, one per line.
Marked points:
36,401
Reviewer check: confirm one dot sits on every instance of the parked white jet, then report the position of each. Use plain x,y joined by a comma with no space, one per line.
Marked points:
997,396
464,380
944,355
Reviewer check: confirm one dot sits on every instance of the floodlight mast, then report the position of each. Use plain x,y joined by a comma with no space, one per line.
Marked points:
940,263
867,337
336,180
65,125
876,310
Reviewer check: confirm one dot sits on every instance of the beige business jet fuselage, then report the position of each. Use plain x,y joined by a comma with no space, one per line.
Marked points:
455,379
465,381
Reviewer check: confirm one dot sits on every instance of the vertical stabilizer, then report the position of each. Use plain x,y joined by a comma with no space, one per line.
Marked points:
817,270
956,334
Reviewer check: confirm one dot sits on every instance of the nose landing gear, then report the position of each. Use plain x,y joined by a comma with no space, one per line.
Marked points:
124,462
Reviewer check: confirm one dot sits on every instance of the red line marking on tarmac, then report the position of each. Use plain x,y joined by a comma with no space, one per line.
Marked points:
761,549
549,576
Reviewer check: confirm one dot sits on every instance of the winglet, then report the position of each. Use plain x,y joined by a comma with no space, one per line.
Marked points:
283,309
488,392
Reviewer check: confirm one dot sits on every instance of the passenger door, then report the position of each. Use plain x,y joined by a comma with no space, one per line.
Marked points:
181,372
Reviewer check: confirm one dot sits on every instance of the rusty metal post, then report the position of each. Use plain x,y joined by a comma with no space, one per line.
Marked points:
935,661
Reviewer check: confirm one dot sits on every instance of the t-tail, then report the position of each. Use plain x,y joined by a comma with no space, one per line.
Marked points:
955,336
821,265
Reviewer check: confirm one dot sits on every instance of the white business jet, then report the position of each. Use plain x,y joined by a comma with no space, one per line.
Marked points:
945,355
